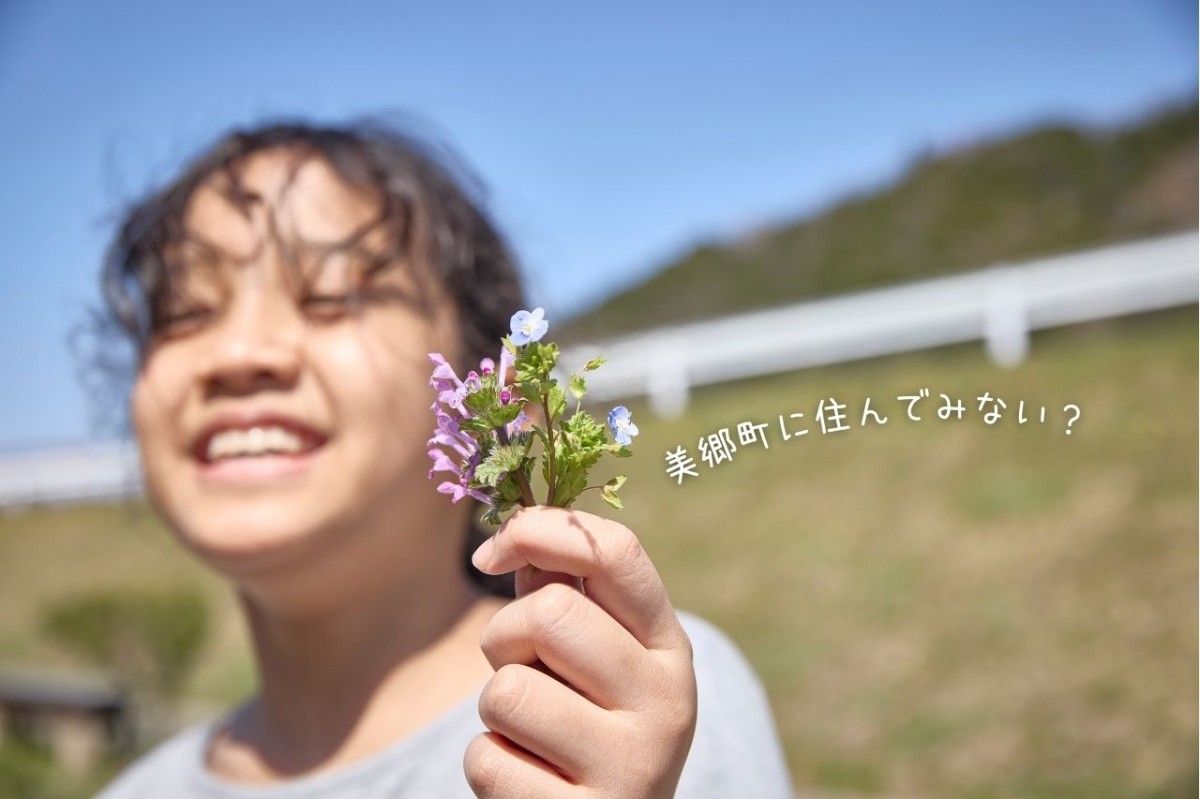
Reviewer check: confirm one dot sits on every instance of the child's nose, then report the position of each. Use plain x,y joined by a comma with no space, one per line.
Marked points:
257,346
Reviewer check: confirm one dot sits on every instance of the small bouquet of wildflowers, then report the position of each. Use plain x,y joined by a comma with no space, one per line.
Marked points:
485,438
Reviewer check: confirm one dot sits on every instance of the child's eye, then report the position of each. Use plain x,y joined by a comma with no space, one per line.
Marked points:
328,306
179,322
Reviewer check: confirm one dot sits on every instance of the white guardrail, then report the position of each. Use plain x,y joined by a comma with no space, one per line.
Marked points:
999,305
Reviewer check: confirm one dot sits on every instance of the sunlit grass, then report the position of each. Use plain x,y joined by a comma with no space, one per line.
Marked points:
937,608
947,608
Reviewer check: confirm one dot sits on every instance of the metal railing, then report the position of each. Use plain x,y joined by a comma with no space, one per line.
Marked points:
998,305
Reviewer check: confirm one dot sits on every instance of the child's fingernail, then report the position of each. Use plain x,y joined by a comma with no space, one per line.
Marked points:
483,555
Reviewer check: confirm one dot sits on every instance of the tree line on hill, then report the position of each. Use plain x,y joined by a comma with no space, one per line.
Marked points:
1049,190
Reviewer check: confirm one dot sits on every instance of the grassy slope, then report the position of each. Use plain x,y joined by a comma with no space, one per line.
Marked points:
942,609
1051,190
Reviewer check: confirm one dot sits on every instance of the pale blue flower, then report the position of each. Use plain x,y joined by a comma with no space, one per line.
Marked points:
620,422
528,326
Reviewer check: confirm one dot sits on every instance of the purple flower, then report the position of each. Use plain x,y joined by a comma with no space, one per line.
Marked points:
443,373
506,362
528,326
460,443
487,366
621,423
441,462
453,398
459,490
449,439
505,396
519,425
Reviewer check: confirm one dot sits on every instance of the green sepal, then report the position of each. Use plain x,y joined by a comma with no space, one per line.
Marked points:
578,386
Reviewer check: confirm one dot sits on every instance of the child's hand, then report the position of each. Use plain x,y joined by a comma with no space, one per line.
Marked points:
616,715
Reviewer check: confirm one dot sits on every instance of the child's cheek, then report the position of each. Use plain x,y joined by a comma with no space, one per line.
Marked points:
158,397
372,370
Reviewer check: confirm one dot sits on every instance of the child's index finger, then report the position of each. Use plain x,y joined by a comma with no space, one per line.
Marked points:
617,573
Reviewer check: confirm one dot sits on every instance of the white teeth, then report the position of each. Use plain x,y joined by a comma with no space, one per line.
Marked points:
255,441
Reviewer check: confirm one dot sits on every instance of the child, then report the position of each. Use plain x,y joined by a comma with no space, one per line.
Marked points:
282,295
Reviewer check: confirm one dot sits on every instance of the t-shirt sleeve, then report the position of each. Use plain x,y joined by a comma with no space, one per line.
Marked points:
736,750
159,772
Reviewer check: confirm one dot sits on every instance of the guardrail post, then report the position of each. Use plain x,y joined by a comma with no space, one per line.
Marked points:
1006,318
667,378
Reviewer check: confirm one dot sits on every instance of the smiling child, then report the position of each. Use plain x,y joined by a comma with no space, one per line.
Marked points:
282,294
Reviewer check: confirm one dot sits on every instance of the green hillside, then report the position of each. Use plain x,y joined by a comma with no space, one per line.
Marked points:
941,609
1050,190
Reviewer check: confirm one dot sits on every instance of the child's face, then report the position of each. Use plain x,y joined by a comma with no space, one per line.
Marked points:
272,418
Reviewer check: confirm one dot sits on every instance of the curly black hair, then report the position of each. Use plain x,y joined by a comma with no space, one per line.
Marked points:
418,185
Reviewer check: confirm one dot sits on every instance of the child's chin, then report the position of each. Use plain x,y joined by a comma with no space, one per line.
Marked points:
245,536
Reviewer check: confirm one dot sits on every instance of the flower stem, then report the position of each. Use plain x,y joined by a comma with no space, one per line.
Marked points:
527,498
549,450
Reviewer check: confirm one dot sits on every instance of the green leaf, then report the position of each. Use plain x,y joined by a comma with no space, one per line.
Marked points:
578,386
531,390
507,456
549,355
509,488
500,461
482,400
486,474
557,402
536,361
585,426
504,414
475,424
508,345
582,459
570,483
609,492
595,363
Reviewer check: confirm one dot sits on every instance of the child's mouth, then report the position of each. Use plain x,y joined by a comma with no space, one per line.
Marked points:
256,447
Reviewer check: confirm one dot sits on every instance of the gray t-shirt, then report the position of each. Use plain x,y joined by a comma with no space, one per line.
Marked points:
736,750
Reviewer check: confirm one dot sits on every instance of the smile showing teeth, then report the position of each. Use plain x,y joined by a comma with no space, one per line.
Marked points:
253,442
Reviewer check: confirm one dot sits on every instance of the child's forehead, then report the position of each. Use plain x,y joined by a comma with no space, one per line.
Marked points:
297,194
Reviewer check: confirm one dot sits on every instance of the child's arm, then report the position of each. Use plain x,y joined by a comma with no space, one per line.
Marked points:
619,719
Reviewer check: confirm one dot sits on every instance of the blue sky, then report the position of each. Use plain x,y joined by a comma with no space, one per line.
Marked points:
612,136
